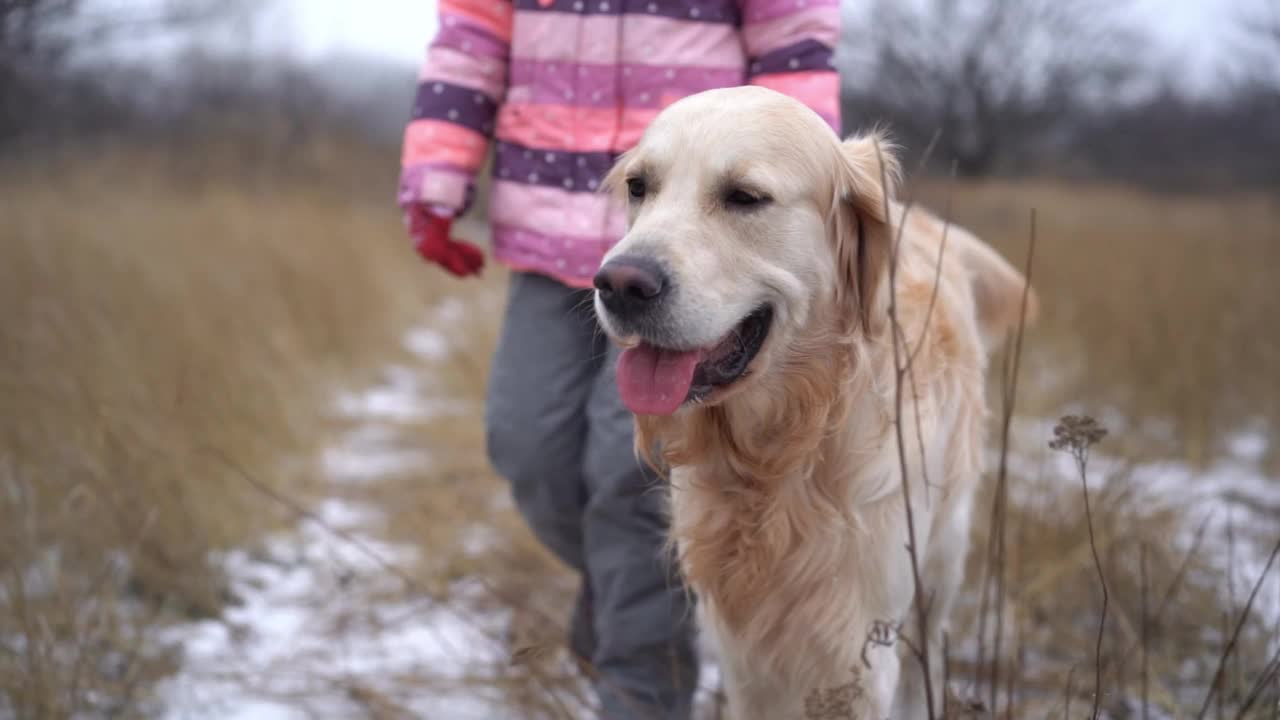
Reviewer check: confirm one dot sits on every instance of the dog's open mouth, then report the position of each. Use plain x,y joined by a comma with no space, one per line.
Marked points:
657,381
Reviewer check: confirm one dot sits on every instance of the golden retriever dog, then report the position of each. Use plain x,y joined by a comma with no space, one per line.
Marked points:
755,301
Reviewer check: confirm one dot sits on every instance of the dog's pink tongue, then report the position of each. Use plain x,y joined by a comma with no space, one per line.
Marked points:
653,381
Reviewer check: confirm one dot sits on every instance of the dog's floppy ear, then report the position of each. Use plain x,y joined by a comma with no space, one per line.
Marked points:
867,176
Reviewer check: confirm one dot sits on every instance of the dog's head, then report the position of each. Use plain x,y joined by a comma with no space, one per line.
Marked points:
750,226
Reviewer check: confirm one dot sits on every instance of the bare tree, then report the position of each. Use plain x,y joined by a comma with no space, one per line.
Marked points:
31,41
990,77
39,37
1255,101
1259,47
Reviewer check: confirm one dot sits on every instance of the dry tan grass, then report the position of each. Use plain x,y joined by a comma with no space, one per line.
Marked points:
168,326
1052,603
1157,314
1160,306
460,512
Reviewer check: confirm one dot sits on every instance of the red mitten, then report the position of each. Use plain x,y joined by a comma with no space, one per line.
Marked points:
430,233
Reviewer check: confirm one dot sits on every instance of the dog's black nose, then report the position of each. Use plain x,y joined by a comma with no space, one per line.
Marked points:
630,285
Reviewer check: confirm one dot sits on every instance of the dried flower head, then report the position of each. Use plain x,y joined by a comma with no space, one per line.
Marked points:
1076,434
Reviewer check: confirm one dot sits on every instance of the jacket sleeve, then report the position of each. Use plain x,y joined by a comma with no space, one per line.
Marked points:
791,48
459,90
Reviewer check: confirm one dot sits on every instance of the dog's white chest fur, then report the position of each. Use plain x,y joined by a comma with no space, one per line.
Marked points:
796,594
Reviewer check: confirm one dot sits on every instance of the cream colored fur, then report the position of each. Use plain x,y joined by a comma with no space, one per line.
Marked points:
786,489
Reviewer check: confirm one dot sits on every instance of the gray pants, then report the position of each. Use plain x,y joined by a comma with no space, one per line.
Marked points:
558,432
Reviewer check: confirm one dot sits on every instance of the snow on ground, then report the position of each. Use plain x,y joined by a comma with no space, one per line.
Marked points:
1234,485
315,635
307,638
1231,498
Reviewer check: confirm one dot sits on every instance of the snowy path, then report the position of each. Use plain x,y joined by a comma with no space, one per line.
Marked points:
324,628
314,634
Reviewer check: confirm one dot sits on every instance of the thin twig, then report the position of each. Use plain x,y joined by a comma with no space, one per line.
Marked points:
1121,679
1222,695
1235,636
919,425
1143,629
1176,583
1010,691
984,599
1009,400
1270,672
1071,676
1233,678
928,316
937,270
1154,619
946,674
996,545
1102,580
922,612
1020,570
1075,435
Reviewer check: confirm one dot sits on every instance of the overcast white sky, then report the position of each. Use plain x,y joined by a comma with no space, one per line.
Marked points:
392,29
399,29
1191,35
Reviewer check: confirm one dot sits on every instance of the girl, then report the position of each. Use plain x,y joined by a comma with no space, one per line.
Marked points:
565,86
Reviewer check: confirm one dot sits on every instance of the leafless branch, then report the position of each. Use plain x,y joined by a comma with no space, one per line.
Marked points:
922,612
1144,629
1066,695
1076,436
1235,635
1269,674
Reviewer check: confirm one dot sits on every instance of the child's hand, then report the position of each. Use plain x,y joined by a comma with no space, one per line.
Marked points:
430,233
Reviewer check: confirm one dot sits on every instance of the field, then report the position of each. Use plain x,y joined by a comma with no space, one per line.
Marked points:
242,457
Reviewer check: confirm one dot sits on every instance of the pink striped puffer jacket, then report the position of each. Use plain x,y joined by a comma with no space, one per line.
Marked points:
566,85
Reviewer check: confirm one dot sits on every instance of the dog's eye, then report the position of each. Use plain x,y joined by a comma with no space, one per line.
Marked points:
635,186
744,199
